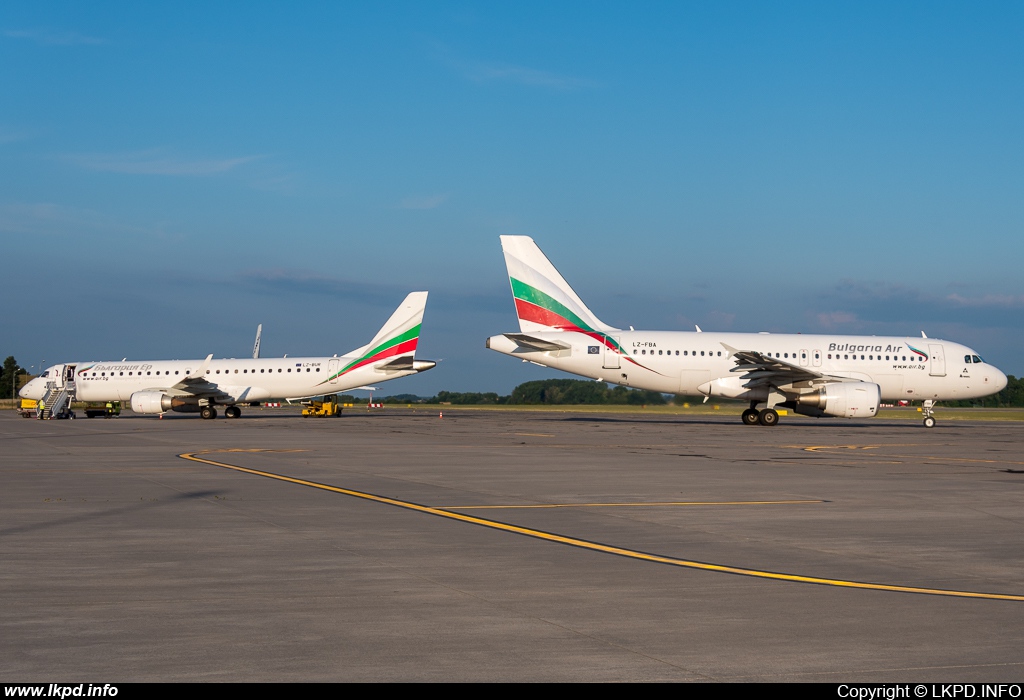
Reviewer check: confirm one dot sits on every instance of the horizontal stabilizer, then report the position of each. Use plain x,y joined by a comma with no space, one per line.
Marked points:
538,344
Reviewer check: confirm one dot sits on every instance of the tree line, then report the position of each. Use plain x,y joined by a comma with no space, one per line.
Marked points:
12,378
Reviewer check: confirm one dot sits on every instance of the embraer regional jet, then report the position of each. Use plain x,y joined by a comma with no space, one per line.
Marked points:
814,375
198,386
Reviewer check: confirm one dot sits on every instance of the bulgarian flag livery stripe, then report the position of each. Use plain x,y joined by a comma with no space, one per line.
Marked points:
537,307
399,345
922,354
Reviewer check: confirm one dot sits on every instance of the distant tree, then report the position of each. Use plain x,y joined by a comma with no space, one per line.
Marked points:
581,392
1011,396
8,381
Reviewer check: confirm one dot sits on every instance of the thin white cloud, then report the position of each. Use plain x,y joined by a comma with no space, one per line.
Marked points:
831,320
491,72
51,37
999,301
506,72
9,135
423,202
49,219
155,162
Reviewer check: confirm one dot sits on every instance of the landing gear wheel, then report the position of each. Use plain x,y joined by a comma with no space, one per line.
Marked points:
750,416
768,416
232,412
929,422
208,412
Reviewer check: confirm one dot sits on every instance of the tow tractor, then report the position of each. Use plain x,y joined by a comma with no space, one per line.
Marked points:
327,406
94,409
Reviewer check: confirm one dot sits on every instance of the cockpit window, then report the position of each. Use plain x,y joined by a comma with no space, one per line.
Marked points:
977,359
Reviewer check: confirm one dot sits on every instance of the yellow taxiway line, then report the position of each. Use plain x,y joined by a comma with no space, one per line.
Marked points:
642,504
596,546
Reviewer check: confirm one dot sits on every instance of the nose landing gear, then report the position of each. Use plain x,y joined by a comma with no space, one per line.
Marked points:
928,408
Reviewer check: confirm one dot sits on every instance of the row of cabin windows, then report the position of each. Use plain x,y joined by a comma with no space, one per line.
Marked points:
895,358
227,371
685,352
803,356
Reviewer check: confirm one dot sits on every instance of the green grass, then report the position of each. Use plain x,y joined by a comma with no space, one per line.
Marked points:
730,409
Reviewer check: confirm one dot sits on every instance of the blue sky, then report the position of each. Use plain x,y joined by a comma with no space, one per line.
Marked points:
172,175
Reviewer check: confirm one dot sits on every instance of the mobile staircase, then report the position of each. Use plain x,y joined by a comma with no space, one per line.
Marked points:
57,402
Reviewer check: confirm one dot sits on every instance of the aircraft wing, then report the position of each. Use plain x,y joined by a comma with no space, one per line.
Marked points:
531,343
759,368
196,383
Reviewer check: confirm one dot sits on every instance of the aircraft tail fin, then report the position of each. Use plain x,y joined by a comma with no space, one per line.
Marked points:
544,300
398,337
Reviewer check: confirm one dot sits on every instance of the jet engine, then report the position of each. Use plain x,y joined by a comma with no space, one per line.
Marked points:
159,402
840,399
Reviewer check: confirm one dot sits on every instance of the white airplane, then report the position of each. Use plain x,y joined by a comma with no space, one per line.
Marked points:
198,386
814,375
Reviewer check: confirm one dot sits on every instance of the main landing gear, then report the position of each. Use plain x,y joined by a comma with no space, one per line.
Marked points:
766,416
209,412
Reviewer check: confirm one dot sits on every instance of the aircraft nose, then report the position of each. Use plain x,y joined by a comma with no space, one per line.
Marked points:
998,380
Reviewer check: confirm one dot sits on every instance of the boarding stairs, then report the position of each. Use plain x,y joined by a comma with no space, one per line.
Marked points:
56,401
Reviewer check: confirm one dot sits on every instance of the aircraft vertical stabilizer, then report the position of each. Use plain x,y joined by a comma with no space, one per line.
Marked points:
398,336
544,300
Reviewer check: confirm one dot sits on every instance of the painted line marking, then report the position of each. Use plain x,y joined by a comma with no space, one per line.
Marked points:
597,546
817,448
635,505
535,434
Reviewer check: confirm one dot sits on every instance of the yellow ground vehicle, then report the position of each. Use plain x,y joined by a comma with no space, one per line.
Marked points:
28,408
329,406
94,409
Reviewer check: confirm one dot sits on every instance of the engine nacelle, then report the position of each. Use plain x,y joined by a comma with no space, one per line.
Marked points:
159,402
841,399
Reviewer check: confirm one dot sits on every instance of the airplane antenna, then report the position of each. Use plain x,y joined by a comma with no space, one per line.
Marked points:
256,347
698,328
923,335
631,328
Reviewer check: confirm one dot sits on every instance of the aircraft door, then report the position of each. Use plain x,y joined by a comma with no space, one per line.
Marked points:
938,363
611,356
804,358
58,376
816,358
332,371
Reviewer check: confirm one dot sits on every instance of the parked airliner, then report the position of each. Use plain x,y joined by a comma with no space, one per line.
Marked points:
198,386
814,375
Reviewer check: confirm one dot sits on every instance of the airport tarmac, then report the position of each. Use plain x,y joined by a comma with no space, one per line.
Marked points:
510,546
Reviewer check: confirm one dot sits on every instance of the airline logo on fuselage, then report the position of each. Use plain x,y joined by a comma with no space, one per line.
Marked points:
850,347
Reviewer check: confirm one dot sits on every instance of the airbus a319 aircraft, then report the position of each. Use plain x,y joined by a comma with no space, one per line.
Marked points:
813,375
199,386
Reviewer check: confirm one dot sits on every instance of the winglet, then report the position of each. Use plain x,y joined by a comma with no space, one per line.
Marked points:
202,370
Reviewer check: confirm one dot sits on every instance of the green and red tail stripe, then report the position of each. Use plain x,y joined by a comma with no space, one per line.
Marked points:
399,345
538,307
